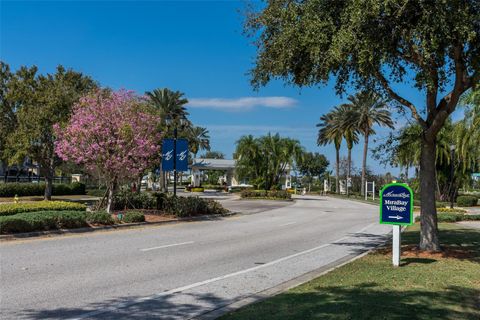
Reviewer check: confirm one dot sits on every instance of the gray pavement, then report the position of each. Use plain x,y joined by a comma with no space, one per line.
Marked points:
185,270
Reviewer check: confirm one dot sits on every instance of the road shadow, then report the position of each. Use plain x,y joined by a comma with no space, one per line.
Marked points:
366,301
361,246
171,307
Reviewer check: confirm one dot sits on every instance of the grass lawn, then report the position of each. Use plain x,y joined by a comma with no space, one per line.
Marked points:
437,286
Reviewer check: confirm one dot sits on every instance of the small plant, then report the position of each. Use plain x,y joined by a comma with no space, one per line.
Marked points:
126,199
133,216
100,217
450,210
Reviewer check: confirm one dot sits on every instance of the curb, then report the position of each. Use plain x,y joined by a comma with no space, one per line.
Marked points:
285,286
59,232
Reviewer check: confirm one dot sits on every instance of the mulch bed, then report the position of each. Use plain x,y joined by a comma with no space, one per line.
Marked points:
413,251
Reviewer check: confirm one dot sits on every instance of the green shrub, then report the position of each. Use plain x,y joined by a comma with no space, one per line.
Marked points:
467,201
8,209
38,189
188,206
133,216
126,199
472,217
100,217
271,194
43,220
450,210
447,217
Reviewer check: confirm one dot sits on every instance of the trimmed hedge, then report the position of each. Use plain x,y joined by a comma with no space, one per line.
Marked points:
9,209
133,216
264,194
452,217
100,217
45,220
38,189
450,210
467,201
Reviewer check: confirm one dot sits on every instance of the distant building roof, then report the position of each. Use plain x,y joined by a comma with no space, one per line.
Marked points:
219,164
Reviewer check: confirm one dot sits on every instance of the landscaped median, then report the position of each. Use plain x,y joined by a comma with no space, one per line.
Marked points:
426,285
130,208
266,194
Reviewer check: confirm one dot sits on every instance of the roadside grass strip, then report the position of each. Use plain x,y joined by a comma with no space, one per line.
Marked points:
426,285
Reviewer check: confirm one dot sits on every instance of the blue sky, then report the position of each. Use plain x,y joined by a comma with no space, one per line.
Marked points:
196,47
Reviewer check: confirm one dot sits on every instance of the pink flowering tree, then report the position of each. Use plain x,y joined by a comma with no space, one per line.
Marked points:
113,134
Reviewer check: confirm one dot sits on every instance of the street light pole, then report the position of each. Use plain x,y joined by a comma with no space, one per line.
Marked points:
175,160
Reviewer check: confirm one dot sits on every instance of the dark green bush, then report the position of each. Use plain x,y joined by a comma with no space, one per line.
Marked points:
100,217
38,189
271,194
472,217
447,217
9,209
467,201
126,199
133,216
45,220
188,206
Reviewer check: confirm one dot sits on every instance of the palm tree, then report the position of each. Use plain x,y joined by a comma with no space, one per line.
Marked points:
369,110
199,139
331,132
171,108
350,132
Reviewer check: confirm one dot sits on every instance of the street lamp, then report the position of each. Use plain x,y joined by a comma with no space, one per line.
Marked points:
175,121
452,174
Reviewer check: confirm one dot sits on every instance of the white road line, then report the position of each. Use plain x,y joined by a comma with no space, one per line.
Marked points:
287,224
202,283
168,245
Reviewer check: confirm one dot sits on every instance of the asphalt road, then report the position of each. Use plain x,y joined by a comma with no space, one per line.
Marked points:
184,270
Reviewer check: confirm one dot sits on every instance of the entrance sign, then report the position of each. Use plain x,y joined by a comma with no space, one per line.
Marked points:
396,204
182,155
396,208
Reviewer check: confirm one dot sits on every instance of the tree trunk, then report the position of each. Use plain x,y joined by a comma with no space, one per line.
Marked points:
364,162
349,166
337,171
139,183
111,191
49,174
428,217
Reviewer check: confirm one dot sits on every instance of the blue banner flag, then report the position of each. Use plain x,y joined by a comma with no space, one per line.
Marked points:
181,158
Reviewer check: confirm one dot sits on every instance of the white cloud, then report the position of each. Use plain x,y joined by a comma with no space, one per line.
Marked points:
242,104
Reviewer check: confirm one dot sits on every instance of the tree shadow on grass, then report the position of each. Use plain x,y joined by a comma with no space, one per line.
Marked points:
171,306
367,301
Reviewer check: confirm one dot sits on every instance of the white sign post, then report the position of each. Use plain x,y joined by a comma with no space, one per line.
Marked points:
396,245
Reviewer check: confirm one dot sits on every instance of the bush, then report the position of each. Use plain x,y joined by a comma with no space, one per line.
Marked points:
45,220
263,194
38,189
133,216
472,217
9,209
198,189
126,199
100,217
450,210
452,217
467,201
188,206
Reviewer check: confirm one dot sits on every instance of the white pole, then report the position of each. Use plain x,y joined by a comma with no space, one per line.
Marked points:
373,193
366,190
396,246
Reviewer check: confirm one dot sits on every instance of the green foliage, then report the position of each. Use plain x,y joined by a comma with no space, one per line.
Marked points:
188,206
99,217
312,164
40,101
264,194
133,216
264,160
451,210
37,189
453,217
44,220
467,201
126,199
14,208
